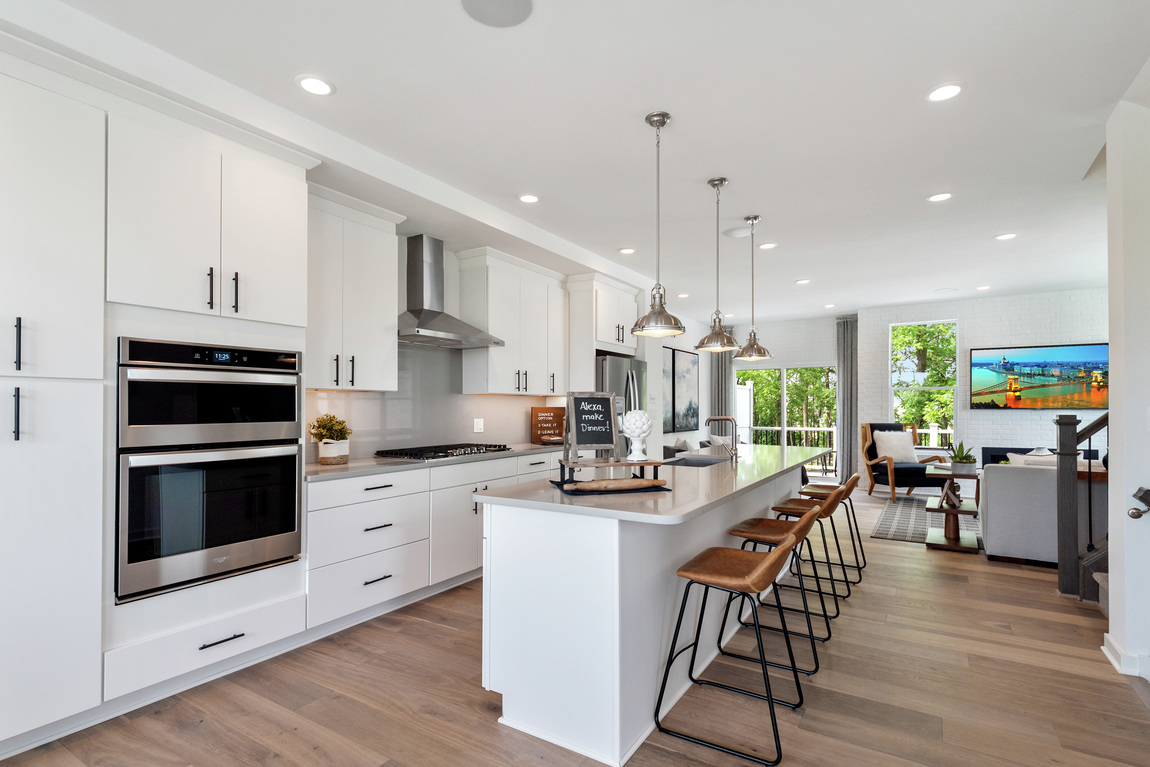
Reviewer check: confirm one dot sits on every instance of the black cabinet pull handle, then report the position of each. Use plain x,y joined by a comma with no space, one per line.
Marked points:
19,334
211,287
552,383
236,305
378,487
537,463
376,580
337,370
16,416
516,380
524,380
221,641
351,375
377,527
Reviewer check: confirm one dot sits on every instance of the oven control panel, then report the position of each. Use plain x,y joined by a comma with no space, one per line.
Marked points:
137,351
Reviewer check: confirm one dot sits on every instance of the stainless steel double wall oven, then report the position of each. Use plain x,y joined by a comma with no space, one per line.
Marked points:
210,463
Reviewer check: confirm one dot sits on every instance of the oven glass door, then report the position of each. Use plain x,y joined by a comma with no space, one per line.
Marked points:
190,515
159,407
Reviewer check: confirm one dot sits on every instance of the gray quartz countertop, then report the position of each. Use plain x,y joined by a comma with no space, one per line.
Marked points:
693,490
364,467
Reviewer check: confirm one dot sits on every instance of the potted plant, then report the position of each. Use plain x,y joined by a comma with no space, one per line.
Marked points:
332,435
959,454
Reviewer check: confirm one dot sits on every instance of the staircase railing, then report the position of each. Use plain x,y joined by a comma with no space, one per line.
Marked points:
1075,534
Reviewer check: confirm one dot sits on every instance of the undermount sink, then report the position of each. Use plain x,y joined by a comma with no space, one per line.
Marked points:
697,460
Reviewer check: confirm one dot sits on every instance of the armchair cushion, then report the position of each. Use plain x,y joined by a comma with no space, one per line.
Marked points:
897,445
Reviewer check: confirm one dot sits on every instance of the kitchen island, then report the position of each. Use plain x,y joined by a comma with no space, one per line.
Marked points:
580,592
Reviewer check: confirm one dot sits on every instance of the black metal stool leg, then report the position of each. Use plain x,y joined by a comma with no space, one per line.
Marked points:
842,560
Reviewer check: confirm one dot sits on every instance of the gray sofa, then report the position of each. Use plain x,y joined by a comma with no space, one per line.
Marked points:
1019,511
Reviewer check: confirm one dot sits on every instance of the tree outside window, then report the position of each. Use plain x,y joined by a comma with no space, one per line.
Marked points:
923,376
810,405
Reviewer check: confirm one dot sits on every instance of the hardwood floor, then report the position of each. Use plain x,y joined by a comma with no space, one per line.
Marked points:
938,658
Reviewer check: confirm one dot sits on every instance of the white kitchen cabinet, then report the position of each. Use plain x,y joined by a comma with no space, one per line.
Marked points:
51,234
353,302
557,314
456,522
51,545
198,224
615,315
512,303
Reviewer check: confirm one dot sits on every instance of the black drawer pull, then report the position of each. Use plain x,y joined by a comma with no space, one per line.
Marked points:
213,644
377,580
211,287
16,415
537,463
378,487
377,527
337,370
236,305
19,332
351,375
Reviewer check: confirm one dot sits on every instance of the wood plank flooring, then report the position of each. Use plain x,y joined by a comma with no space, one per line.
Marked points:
938,658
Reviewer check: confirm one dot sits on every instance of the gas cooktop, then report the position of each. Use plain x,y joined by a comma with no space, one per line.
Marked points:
440,451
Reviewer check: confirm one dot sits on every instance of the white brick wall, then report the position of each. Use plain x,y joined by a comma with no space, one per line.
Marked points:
1064,317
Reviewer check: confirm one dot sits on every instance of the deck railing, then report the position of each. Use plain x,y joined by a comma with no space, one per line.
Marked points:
800,436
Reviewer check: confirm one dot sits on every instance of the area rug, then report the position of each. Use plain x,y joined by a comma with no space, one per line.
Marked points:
908,520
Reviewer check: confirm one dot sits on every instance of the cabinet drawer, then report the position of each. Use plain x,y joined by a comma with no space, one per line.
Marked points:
529,464
134,667
476,471
345,532
339,492
343,588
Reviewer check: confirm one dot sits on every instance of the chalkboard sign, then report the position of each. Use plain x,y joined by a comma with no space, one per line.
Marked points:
547,425
592,422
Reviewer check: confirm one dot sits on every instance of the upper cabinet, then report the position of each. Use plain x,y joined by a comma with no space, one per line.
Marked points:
51,234
198,224
602,313
518,305
615,314
353,301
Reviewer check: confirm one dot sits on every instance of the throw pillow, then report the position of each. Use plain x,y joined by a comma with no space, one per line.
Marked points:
1028,459
720,441
895,444
682,444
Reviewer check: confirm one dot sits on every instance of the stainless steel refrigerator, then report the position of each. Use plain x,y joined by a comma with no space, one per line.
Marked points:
627,378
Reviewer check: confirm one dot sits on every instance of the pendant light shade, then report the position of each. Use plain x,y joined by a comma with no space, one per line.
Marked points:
752,350
717,340
658,322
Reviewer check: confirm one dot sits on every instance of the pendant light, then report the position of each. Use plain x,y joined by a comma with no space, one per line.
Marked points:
752,350
658,322
718,340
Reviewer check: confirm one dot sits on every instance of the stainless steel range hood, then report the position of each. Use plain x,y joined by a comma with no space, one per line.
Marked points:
425,322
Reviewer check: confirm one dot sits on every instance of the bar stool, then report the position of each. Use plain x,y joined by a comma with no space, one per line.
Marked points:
743,574
820,490
796,507
770,532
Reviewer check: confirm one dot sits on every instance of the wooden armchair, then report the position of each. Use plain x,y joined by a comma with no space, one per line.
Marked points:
884,470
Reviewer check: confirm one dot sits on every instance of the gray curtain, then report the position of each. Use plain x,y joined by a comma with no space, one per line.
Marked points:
723,390
847,342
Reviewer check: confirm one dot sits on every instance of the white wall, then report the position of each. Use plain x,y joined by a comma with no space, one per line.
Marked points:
793,343
651,350
1065,317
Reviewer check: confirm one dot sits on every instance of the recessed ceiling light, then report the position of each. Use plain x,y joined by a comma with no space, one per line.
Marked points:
315,85
829,306
684,295
528,198
939,197
498,13
944,92
769,245
983,287
626,251
1007,236
803,281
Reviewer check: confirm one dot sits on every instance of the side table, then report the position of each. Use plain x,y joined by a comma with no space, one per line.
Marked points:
950,503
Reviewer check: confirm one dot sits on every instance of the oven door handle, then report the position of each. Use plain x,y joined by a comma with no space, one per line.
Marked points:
209,376
207,456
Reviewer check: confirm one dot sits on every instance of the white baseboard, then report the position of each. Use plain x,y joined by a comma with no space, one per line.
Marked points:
1125,663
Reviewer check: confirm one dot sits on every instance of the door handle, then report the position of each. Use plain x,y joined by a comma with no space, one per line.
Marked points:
236,305
524,385
337,370
552,383
16,416
211,287
351,374
517,380
19,334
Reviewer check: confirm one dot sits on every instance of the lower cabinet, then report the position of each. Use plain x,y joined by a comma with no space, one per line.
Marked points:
51,544
456,520
136,666
367,542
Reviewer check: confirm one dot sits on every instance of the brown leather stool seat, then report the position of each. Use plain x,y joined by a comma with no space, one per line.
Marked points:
821,491
743,575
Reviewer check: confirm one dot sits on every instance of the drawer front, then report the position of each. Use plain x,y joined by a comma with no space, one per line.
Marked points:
339,492
134,667
470,473
531,477
343,588
529,464
346,532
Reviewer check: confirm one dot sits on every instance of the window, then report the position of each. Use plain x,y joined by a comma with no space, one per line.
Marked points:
799,402
923,365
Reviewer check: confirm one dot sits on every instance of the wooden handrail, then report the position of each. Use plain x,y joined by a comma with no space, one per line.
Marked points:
1095,426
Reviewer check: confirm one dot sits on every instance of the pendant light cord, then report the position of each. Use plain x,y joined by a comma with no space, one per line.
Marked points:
717,301
658,142
752,275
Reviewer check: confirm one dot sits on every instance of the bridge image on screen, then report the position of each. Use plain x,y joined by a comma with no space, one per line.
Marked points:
1073,377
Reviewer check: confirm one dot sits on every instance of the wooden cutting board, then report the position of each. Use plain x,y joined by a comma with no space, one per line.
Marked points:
601,485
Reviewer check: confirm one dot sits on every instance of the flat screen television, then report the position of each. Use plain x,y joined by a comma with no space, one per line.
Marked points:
1068,377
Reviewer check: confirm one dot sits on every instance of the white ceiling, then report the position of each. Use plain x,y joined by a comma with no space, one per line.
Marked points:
814,110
